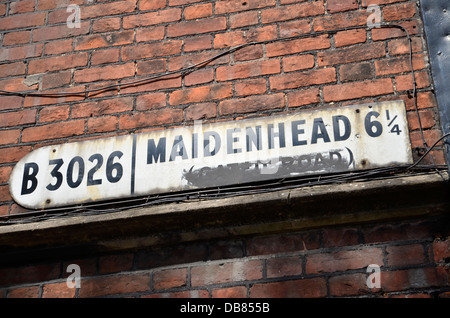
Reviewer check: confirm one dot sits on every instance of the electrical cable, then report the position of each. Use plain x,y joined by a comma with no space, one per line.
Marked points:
222,192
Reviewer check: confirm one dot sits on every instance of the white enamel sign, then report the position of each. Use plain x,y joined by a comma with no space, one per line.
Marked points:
212,155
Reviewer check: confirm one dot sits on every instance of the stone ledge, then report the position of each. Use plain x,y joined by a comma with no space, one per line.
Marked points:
265,213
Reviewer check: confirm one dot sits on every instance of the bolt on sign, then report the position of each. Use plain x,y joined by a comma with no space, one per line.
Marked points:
201,156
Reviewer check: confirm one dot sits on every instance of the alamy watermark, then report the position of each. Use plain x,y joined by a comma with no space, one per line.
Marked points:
74,279
374,279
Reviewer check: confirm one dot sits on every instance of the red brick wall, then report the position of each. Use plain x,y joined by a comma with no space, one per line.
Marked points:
332,262
122,41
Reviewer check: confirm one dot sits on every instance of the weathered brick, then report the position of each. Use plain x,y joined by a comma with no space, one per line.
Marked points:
22,21
169,278
351,54
282,243
150,118
401,46
243,19
427,119
340,237
145,5
189,60
398,65
340,20
58,290
196,27
412,278
350,37
102,73
115,263
106,25
57,63
229,6
101,124
105,56
397,232
252,52
247,70
441,249
21,52
298,62
16,84
294,28
56,79
112,285
251,104
155,33
22,6
13,154
16,118
24,292
10,137
28,274
284,266
201,111
230,292
404,255
94,41
239,37
31,101
141,51
201,94
201,76
413,27
400,11
341,5
53,131
165,82
12,69
10,102
405,82
54,113
151,101
297,46
198,11
59,32
102,107
253,86
296,11
343,260
19,37
303,97
348,285
197,43
59,47
356,71
227,272
151,18
303,78
302,288
355,90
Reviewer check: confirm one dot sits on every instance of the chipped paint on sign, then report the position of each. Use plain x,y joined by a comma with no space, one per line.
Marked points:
217,154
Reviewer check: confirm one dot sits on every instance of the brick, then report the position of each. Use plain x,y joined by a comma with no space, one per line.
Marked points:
59,32
302,288
102,107
112,285
23,6
21,52
145,5
296,11
201,76
31,101
201,111
151,101
243,19
150,118
9,137
102,124
56,79
53,131
401,46
441,250
24,292
230,292
395,232
250,87
115,263
106,25
246,70
343,260
356,71
189,60
57,63
351,54
229,6
19,37
294,28
413,27
13,154
252,52
17,118
413,278
341,5
12,69
398,65
355,90
238,37
94,41
182,2
151,18
54,113
282,243
297,46
197,43
350,37
106,56
404,255
303,97
169,278
251,104
198,11
4,193
196,27
22,21
16,84
165,82
29,274
284,266
151,66
102,73
427,119
340,20
236,271
399,11
348,285
155,33
58,290
59,47
10,102
109,9
226,249
298,62
136,52
201,94
340,237
303,78
405,82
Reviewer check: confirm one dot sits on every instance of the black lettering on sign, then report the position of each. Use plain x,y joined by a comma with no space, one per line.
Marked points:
253,138
30,171
56,174
156,152
373,127
296,131
338,134
70,172
90,178
280,135
208,152
178,148
112,166
319,131
232,139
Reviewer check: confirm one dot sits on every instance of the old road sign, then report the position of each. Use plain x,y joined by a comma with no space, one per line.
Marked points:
210,155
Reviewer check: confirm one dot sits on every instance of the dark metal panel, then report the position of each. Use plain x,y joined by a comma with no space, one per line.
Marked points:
436,17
